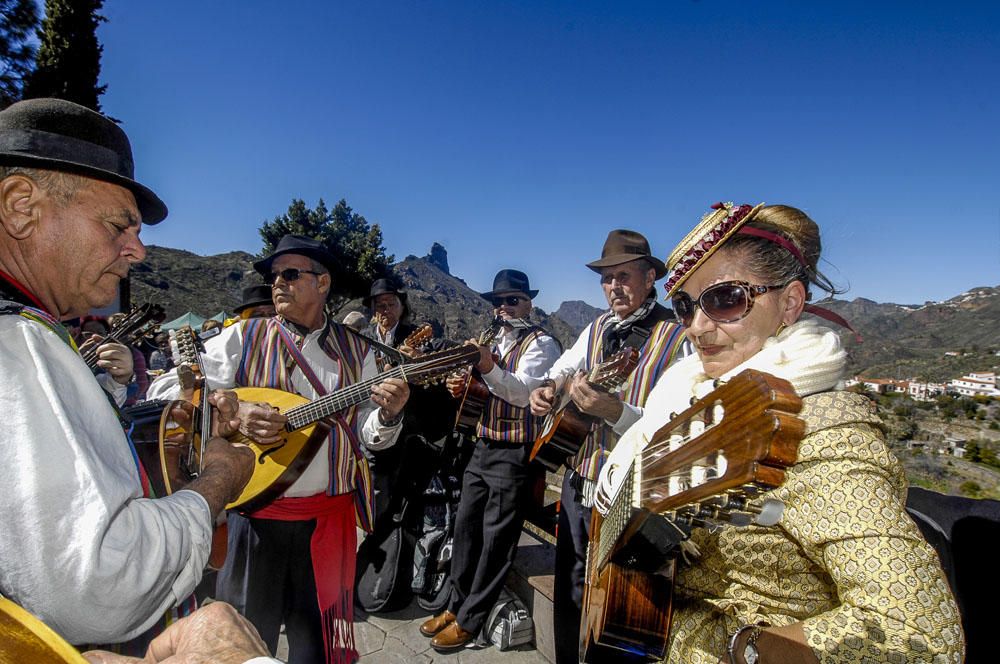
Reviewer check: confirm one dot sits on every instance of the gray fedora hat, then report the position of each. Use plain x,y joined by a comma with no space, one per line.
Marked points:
297,244
59,135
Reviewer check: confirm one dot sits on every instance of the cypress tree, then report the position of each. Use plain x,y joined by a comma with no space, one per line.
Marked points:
69,56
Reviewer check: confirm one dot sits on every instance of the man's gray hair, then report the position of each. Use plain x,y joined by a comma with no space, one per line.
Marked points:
61,186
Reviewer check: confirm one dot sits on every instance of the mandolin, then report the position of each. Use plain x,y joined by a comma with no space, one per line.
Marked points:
712,465
25,638
566,426
139,322
280,464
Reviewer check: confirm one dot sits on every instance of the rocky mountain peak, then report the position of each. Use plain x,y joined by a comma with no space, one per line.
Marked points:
438,258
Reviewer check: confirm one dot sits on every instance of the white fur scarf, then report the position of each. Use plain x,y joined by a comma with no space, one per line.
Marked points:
806,354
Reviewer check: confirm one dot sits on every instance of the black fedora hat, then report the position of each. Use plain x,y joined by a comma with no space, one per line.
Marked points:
383,286
254,296
297,244
624,246
510,281
59,135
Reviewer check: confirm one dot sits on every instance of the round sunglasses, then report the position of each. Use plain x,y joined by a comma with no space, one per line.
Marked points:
725,302
509,300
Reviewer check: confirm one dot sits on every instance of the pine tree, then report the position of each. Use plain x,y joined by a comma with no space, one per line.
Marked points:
69,57
18,20
356,244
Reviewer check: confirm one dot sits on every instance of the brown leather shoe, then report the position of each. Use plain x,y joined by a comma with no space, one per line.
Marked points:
434,625
451,638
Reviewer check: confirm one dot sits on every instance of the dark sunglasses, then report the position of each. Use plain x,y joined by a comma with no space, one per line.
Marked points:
509,300
725,302
288,274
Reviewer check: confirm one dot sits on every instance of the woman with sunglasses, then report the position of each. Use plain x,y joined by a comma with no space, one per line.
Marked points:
844,576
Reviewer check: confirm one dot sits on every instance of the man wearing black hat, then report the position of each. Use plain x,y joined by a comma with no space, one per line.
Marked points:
635,319
256,303
390,313
84,547
490,512
292,561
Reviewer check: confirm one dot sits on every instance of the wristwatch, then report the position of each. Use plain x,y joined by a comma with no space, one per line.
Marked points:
750,654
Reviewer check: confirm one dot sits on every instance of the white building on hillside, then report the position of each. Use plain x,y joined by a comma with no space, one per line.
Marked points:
974,384
925,391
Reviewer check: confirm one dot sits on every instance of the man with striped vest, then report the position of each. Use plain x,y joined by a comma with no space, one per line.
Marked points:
491,512
292,562
635,319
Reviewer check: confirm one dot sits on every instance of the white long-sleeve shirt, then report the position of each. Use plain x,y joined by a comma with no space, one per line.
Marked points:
221,360
80,547
516,387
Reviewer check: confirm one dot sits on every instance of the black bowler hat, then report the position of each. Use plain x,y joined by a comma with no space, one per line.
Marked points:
254,296
510,281
297,244
383,286
624,246
59,135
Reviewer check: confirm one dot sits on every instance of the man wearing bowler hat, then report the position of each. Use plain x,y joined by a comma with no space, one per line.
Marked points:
84,547
256,303
390,323
490,512
292,561
635,319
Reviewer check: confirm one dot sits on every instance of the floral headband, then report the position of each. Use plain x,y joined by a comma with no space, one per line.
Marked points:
711,232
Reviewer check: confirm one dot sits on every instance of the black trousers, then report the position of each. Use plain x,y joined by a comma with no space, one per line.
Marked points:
487,527
268,577
572,537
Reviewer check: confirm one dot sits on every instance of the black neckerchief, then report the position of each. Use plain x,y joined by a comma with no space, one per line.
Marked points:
636,334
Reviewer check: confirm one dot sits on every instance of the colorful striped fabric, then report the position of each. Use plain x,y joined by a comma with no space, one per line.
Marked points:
266,362
659,351
501,420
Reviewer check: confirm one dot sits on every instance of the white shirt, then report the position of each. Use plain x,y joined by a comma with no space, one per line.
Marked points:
80,548
515,388
575,359
222,359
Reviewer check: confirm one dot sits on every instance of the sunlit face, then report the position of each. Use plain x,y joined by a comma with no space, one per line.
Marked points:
388,309
300,301
506,310
85,246
724,346
627,286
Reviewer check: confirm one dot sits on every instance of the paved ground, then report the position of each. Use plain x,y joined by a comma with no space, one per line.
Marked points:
390,638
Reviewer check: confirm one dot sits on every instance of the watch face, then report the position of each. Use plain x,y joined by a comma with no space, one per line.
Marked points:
750,654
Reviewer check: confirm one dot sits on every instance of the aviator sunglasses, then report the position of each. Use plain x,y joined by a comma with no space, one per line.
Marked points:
509,300
288,274
725,302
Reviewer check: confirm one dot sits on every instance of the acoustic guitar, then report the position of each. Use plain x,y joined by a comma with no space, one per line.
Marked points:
711,465
475,393
566,426
139,322
25,638
280,464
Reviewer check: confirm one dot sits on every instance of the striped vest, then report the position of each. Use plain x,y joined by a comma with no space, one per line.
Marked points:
500,420
655,356
267,362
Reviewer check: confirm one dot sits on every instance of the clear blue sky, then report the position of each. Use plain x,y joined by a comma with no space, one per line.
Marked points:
517,134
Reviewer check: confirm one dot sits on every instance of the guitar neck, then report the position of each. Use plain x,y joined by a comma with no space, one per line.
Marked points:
335,402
